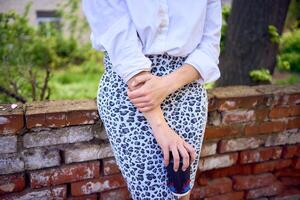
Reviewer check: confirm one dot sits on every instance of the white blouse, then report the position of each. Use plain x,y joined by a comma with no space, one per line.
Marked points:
130,29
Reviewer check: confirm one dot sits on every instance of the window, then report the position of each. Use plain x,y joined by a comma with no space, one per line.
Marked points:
50,16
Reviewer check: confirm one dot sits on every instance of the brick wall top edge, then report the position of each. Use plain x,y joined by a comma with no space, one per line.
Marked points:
60,106
246,91
11,109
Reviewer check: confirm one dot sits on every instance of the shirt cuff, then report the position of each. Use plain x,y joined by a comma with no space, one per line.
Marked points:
140,64
205,65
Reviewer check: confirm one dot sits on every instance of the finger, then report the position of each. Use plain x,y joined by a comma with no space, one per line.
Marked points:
140,79
191,151
142,105
146,109
166,156
140,100
176,158
136,93
131,88
185,156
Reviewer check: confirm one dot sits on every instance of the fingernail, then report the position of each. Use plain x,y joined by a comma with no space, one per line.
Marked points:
183,169
133,83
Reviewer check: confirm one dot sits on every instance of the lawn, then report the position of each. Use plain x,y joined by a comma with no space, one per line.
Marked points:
81,82
76,82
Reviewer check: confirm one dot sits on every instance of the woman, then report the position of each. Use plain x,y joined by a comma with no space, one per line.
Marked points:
151,98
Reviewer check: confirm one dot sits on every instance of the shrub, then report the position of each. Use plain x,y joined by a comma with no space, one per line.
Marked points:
289,52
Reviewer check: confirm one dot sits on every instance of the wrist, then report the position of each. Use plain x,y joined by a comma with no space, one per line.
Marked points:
171,84
158,126
156,119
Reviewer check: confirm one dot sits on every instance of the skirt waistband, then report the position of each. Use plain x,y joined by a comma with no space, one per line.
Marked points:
162,64
157,56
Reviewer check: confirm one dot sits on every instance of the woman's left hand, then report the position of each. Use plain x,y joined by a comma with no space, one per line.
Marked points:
148,91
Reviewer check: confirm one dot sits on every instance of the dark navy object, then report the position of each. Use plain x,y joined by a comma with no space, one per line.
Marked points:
179,181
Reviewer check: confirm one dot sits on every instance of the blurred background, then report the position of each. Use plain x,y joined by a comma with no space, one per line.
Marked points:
46,53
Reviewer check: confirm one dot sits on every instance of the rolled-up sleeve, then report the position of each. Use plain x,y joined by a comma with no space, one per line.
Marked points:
112,30
205,57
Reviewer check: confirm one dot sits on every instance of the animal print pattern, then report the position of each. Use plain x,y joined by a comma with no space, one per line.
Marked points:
136,150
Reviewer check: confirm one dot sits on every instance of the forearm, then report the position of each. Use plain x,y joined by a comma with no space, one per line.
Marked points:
182,76
155,118
174,80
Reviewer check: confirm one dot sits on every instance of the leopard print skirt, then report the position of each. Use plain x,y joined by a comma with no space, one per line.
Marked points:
136,150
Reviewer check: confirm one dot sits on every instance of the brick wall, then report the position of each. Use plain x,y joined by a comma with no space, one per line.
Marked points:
59,149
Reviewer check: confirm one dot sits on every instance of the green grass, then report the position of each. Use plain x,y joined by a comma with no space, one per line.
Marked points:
81,82
293,78
76,82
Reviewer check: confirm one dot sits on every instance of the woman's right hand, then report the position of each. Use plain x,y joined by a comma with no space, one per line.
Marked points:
169,140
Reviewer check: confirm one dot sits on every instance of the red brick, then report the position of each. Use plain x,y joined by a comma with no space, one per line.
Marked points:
59,113
76,117
271,165
229,171
228,196
281,112
273,189
293,123
246,182
239,102
261,114
218,161
216,187
208,149
12,183
85,197
57,192
289,194
110,166
121,194
288,172
211,101
12,120
196,193
296,163
35,120
294,99
237,116
212,132
202,180
55,119
226,104
101,184
264,127
64,174
259,155
290,180
237,144
290,151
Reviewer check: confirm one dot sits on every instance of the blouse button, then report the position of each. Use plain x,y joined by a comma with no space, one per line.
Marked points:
161,12
163,23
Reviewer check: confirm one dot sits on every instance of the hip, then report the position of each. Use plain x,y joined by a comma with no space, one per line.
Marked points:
112,87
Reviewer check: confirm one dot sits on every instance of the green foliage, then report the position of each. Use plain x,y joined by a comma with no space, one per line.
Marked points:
261,74
30,54
225,15
293,17
291,79
24,54
289,52
273,34
75,25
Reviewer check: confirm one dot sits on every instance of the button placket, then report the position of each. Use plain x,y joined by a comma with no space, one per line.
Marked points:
164,23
